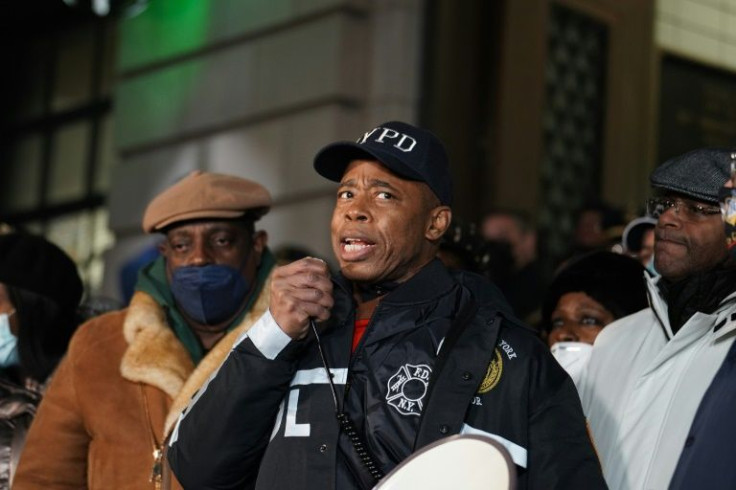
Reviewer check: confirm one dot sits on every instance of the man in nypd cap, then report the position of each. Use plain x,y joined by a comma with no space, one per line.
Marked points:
415,352
128,374
649,371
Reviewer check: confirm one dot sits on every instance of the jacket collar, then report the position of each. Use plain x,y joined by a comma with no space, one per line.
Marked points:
724,318
156,357
431,281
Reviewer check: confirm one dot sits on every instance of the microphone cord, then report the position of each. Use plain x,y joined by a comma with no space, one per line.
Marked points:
346,423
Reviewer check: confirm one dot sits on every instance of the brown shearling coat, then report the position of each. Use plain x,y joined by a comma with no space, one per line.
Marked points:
114,398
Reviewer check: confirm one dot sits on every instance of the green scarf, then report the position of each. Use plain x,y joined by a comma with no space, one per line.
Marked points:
152,281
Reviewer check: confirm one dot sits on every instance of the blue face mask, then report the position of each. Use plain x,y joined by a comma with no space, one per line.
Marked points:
209,294
8,343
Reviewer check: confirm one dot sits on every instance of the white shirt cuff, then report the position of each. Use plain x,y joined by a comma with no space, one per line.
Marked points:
267,336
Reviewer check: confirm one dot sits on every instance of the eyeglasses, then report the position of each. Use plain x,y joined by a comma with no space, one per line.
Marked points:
684,208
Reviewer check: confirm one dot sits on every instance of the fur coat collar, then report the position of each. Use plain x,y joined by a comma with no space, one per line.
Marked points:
156,357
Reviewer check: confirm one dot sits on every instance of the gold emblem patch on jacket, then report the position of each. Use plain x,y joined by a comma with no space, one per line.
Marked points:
493,373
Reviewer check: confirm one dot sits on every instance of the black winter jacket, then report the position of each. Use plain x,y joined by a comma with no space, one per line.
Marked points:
442,355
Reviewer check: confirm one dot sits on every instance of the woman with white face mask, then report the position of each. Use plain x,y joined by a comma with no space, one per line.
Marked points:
586,295
40,291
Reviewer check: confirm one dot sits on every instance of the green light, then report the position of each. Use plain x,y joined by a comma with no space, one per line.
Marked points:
167,28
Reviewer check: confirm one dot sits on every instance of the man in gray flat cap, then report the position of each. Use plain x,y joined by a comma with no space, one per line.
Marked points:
650,370
128,374
707,462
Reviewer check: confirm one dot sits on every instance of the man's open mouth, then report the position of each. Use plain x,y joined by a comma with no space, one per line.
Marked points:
355,244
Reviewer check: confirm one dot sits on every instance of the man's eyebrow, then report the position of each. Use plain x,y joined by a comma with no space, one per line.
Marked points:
371,183
178,234
214,228
219,227
381,183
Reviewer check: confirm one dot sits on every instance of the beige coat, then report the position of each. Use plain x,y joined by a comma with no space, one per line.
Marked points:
114,399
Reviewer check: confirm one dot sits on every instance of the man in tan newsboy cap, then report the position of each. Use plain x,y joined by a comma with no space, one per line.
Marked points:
129,373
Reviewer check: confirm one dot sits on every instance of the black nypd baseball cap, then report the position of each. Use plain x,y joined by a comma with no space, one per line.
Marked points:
408,151
698,174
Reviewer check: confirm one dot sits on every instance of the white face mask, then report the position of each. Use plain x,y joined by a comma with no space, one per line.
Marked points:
8,343
650,267
572,356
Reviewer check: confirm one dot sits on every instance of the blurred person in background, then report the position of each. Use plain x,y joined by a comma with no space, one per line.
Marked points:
638,240
524,286
463,248
129,373
649,371
128,275
598,226
96,305
40,290
460,247
590,292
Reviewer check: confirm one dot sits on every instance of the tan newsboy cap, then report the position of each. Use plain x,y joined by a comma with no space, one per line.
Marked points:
202,195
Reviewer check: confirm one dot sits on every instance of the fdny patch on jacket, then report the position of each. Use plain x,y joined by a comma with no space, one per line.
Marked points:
493,373
407,388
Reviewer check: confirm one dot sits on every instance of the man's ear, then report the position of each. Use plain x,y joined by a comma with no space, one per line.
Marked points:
163,246
440,218
260,240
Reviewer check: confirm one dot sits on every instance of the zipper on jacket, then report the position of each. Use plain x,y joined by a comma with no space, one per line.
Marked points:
158,454
157,470
358,351
656,315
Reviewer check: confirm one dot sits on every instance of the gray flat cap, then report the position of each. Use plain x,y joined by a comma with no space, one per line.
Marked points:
698,174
